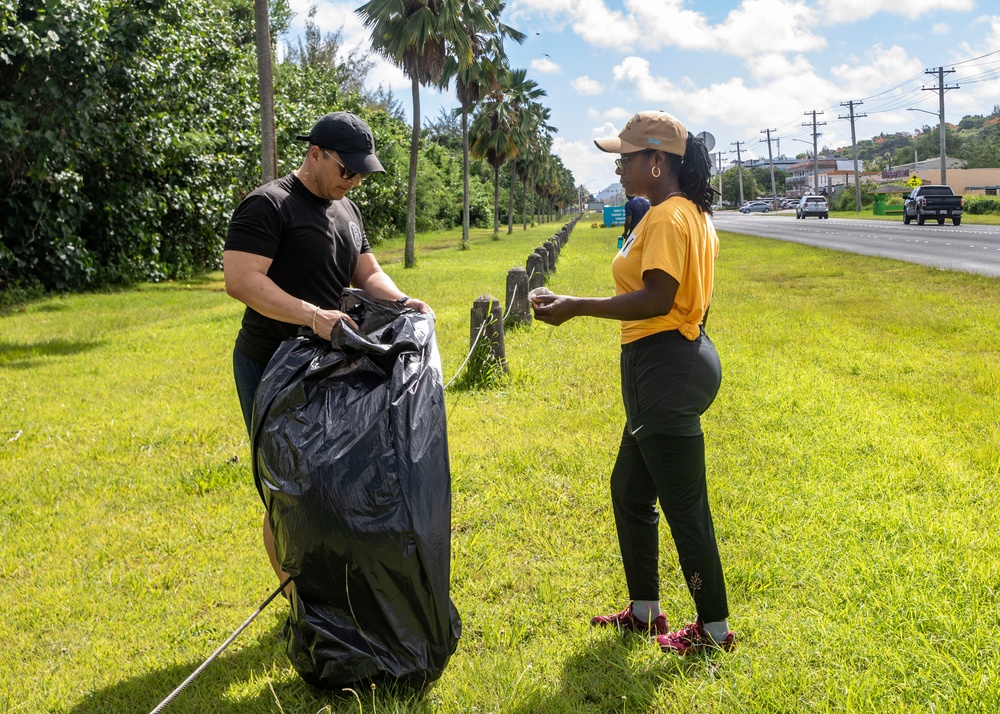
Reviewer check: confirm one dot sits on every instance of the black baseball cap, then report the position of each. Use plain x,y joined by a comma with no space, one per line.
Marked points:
350,137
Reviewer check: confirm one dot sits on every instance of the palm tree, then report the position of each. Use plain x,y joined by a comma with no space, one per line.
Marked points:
521,94
265,82
539,146
478,73
416,36
492,139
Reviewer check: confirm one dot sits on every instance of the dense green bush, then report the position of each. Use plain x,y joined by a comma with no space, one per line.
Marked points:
981,205
125,130
130,129
847,199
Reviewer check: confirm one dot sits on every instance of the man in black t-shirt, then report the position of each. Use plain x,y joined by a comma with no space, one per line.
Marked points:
293,245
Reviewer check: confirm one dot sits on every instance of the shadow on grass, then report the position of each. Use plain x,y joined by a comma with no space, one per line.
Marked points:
15,355
605,678
207,693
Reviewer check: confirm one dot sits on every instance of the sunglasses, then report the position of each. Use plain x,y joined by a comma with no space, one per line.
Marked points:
346,173
620,163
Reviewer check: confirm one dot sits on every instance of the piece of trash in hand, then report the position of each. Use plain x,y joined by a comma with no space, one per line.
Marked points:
538,292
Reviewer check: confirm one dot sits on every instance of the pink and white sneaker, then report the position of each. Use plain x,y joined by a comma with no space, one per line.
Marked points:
692,639
625,620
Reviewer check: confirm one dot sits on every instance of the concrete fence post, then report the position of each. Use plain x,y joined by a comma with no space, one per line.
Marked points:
535,269
490,353
518,307
551,259
544,254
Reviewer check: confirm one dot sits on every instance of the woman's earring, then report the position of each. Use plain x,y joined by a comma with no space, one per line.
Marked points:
656,172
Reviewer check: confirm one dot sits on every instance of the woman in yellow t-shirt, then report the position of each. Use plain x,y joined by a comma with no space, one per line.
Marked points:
670,375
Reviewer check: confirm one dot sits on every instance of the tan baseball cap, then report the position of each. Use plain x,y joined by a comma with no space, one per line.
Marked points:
648,130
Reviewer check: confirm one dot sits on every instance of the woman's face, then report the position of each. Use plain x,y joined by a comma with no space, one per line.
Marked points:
634,172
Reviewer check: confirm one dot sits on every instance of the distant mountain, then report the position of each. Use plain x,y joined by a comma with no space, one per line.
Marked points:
608,193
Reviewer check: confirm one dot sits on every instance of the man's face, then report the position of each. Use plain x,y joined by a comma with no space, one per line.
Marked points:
330,181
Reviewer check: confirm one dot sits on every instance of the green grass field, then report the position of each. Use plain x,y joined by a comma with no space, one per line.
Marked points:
853,463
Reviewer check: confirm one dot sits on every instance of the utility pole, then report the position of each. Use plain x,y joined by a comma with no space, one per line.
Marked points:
739,167
816,135
854,147
770,160
940,89
718,157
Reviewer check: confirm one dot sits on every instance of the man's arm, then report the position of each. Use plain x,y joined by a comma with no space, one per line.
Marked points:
247,281
370,277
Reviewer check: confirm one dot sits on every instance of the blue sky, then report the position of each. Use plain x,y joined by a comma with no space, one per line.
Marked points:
731,68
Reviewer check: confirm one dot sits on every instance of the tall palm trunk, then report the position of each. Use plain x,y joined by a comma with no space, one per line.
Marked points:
496,203
510,203
532,199
465,177
265,82
524,212
409,257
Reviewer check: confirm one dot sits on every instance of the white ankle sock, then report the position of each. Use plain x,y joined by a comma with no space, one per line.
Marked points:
646,610
717,630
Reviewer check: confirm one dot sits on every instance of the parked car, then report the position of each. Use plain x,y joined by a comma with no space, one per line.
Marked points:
755,207
789,203
938,202
812,206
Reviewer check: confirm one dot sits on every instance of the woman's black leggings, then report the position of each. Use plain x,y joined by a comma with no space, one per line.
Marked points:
668,381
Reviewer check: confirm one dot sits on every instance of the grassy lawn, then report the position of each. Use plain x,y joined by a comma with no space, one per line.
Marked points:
853,460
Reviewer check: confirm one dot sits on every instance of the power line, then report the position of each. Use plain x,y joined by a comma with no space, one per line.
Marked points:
988,54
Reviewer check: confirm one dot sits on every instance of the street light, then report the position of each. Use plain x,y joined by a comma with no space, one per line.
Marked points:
941,137
580,190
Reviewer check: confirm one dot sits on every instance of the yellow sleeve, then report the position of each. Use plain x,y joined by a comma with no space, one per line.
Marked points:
666,247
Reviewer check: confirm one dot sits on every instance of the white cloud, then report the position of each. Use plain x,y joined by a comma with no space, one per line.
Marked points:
589,165
606,130
754,26
544,65
747,108
333,17
978,96
635,71
859,75
586,86
940,28
850,11
610,118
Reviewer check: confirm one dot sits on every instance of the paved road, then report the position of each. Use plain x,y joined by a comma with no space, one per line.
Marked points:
967,248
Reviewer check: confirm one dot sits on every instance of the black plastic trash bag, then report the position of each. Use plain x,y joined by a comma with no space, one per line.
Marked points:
351,459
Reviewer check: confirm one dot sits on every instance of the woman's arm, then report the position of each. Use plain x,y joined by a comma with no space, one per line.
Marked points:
655,298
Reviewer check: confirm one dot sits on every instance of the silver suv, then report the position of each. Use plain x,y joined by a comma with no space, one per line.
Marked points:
812,206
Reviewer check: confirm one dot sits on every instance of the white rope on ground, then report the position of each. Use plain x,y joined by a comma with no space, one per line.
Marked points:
159,707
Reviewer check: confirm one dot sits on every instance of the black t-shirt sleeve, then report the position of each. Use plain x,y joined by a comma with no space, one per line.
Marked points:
256,227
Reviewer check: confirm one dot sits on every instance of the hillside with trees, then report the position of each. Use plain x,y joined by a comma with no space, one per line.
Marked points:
975,140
